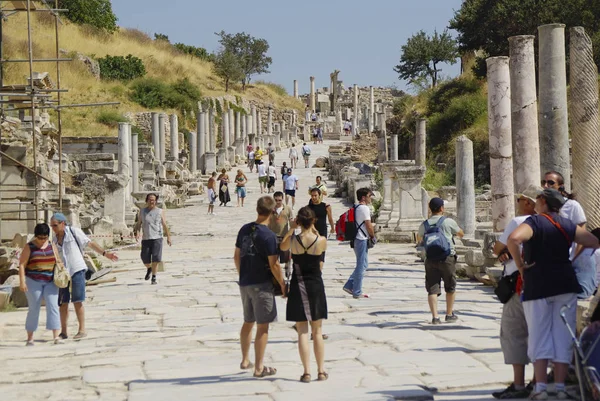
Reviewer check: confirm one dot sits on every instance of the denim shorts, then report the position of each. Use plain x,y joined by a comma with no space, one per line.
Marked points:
241,191
74,292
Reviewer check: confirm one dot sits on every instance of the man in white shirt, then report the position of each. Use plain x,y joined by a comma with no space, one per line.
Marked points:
263,178
513,326
291,185
306,154
364,233
272,177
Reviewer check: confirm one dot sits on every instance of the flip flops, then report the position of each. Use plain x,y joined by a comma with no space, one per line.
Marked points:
79,336
250,366
305,378
267,371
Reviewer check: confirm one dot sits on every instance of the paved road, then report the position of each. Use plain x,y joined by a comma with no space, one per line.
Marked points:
179,340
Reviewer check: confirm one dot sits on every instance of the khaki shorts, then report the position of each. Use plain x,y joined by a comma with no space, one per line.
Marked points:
258,301
513,332
438,271
263,180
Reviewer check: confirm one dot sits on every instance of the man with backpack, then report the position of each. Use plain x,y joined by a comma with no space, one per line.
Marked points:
440,258
359,230
271,151
305,154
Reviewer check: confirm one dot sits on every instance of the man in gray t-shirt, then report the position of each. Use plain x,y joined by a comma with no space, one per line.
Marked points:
441,270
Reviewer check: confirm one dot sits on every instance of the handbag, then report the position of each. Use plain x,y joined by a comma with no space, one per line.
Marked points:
61,278
506,287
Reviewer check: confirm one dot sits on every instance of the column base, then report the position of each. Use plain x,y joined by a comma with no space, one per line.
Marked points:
210,162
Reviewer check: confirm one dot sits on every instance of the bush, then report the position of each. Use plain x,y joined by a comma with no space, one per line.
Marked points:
198,52
121,68
153,93
277,88
440,99
136,35
97,13
110,118
434,178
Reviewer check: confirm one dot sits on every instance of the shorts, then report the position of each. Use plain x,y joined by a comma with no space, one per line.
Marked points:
271,182
241,191
212,197
258,302
151,250
513,332
346,129
437,271
272,157
251,163
549,337
263,180
75,292
291,192
306,157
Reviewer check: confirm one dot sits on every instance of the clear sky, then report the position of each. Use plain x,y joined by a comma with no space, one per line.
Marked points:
360,38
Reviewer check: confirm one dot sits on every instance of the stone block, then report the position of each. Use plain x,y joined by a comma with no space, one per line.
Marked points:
18,297
101,167
103,232
92,157
472,243
321,162
20,240
489,239
4,299
475,258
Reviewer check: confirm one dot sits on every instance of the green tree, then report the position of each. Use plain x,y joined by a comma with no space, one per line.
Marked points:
251,53
227,66
422,54
161,36
194,51
97,13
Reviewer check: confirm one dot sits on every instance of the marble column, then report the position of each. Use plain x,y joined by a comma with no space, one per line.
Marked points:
123,149
253,126
231,127
270,124
355,112
394,148
465,185
295,88
259,134
371,109
524,113
155,136
192,139
161,134
174,137
312,98
135,163
210,157
421,143
225,131
201,146
239,140
553,114
500,142
585,125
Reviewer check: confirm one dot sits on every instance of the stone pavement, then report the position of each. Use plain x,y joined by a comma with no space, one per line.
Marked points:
178,340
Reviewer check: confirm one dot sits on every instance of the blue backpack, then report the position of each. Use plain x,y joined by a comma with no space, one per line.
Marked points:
437,247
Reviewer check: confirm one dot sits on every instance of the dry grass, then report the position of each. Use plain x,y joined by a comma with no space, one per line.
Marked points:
160,59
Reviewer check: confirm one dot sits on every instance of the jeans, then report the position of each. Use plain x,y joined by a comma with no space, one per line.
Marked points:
35,291
585,269
361,251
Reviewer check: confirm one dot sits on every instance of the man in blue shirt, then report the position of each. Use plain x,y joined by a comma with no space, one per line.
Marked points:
256,259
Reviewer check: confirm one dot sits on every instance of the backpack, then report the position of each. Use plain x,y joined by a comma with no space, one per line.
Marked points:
346,228
437,246
248,248
306,151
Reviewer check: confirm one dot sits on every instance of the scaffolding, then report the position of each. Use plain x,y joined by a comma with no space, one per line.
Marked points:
34,97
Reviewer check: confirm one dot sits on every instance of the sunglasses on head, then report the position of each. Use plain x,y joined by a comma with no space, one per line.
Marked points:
549,182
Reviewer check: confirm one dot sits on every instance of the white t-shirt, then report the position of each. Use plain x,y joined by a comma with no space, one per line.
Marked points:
305,150
573,211
346,125
71,254
272,171
510,265
362,214
262,170
290,182
251,155
293,153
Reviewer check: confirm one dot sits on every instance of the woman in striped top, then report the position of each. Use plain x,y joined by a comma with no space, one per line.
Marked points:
36,274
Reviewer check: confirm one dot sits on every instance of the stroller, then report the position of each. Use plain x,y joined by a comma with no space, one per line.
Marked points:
587,357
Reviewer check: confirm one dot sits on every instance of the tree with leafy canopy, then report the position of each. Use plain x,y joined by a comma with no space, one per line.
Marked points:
422,54
97,13
251,53
226,65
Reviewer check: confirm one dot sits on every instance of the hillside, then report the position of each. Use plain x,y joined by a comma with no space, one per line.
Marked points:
161,60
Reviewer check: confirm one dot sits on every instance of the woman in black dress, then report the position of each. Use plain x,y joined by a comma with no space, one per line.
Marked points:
223,179
306,300
322,213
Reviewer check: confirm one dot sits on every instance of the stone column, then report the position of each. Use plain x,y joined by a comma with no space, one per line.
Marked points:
244,128
249,135
465,185
371,109
394,148
500,139
174,137
135,163
585,125
161,134
259,133
239,141
524,113
421,143
225,131
210,157
312,99
252,127
201,146
553,115
123,146
295,88
231,127
193,152
155,136
270,123
355,112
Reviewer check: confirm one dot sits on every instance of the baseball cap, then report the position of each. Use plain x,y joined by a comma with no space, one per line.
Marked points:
531,192
554,199
436,203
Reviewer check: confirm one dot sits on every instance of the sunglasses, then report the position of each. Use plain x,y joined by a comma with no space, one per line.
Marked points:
549,182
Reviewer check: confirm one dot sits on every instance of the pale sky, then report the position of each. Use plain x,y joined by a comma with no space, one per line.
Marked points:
362,39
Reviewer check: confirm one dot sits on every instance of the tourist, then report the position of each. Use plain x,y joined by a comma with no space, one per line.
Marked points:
212,192
320,186
271,153
280,222
263,177
256,261
315,134
347,127
251,160
291,186
293,156
258,154
513,326
153,223
313,116
584,261
284,171
272,172
322,212
550,284
240,187
365,238
441,268
249,148
36,272
70,243
320,135
306,299
305,154
224,196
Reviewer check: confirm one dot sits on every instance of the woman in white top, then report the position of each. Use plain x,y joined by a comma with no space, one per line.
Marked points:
293,156
262,175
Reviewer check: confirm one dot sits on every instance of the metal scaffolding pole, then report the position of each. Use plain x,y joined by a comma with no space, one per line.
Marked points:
30,52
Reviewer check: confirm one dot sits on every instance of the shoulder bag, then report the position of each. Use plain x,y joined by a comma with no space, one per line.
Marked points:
61,274
507,286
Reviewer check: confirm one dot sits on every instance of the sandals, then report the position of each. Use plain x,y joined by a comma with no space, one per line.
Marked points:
29,343
323,376
267,371
79,336
305,378
250,366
